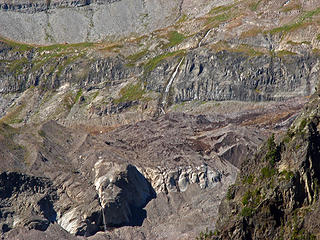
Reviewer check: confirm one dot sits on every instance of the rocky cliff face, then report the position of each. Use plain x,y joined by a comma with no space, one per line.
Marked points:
280,197
203,75
206,75
40,6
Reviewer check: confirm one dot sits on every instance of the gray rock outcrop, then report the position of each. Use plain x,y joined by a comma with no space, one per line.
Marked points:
123,193
46,22
235,76
204,75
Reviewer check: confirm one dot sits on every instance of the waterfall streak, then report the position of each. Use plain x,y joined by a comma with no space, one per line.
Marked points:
199,45
166,92
173,76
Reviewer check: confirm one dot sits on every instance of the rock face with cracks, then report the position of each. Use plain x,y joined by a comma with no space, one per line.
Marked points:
206,75
123,192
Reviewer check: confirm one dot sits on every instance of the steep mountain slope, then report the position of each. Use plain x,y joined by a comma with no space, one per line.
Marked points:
142,111
279,198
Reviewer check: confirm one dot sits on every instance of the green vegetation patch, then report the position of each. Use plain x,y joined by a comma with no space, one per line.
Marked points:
12,146
112,48
267,172
301,22
207,235
308,15
218,19
182,19
55,61
174,39
12,117
254,5
221,14
16,45
249,51
137,56
251,198
21,47
6,139
316,51
221,9
287,28
246,197
242,48
78,95
60,47
38,62
152,63
247,212
288,137
41,133
273,154
291,7
6,130
16,67
49,55
248,179
131,92
302,125
231,192
287,174
251,32
284,53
